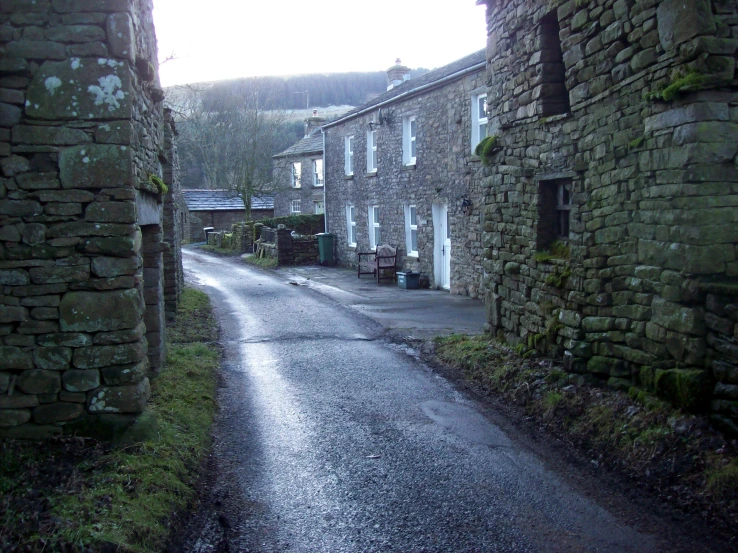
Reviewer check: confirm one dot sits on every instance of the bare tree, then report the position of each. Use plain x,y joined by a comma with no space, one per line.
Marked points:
231,130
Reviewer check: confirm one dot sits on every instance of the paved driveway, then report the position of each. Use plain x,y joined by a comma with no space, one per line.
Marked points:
418,313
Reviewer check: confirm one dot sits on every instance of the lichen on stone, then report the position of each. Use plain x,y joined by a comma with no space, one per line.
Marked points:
109,92
52,83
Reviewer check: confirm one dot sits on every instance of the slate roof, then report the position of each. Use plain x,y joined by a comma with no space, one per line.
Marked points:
222,200
312,144
471,62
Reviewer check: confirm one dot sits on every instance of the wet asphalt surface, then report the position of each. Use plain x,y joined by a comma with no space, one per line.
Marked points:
331,438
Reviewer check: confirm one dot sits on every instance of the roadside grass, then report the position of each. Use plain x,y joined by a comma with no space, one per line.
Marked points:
74,492
263,262
220,251
676,455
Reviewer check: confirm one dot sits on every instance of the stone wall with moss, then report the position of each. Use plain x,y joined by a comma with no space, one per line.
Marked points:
631,106
82,161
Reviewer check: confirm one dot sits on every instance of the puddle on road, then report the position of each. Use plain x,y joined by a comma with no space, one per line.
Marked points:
465,422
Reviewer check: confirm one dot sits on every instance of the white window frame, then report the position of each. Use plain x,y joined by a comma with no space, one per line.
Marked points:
409,228
296,173
479,122
371,151
349,155
295,206
375,229
318,172
351,225
318,207
409,140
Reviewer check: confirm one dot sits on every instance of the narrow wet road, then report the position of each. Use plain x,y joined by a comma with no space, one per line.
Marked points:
331,439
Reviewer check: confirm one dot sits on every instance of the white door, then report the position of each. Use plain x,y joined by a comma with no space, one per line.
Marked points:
441,247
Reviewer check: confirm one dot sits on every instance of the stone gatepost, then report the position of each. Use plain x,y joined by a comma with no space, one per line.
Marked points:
80,214
284,246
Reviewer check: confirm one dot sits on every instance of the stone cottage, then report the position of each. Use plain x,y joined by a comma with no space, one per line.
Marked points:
297,174
401,170
611,202
89,259
220,209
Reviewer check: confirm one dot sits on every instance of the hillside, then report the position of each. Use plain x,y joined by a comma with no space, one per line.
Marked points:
289,92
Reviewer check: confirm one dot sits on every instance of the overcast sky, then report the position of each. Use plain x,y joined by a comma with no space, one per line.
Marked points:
225,39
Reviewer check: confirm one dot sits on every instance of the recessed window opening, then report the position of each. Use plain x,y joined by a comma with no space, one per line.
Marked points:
374,235
554,97
409,130
317,172
296,175
349,155
371,151
295,206
554,212
479,119
411,230
351,224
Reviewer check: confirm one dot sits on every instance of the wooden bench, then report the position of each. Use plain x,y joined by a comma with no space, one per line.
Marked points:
384,260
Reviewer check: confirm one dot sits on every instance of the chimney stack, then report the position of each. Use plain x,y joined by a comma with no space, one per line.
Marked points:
313,122
397,74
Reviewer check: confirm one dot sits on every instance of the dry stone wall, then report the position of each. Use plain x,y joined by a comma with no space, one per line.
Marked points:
81,146
617,121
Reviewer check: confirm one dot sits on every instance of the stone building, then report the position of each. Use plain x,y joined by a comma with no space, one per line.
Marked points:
220,209
297,174
610,213
86,153
401,170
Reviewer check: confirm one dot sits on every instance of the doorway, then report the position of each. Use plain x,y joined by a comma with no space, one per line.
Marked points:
441,247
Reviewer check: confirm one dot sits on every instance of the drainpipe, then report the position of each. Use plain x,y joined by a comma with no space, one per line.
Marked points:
325,184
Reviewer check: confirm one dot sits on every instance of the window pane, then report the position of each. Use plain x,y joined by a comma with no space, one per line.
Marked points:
413,215
376,236
352,216
482,131
414,240
375,214
412,148
412,128
482,106
353,234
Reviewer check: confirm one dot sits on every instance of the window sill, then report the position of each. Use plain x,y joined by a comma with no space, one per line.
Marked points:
348,177
370,174
352,246
554,118
317,186
475,158
409,167
412,257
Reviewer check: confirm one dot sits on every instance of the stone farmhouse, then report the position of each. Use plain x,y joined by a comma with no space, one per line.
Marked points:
219,209
89,225
401,170
611,202
298,174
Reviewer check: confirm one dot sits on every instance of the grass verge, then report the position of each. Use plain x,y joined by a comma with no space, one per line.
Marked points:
677,456
72,493
263,262
220,251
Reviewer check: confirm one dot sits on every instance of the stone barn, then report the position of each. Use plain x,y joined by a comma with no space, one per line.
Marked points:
89,230
611,195
220,209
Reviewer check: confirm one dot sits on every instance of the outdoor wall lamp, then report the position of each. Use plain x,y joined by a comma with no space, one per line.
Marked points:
466,206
